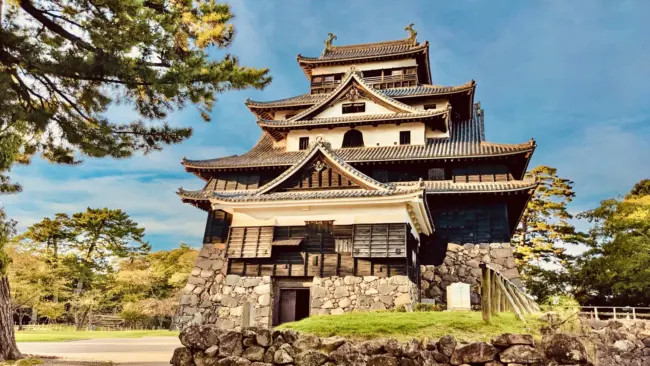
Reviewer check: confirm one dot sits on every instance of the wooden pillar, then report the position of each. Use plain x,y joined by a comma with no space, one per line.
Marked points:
486,294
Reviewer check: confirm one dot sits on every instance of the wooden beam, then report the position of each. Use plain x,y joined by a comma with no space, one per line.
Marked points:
486,294
511,301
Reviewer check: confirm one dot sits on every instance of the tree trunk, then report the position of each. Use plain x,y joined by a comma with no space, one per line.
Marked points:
8,348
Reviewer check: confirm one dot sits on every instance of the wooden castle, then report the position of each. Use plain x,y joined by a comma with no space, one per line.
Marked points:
361,182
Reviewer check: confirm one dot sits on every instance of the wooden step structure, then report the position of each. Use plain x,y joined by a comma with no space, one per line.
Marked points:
499,294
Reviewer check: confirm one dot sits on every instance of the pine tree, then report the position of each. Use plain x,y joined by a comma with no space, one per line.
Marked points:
545,226
62,64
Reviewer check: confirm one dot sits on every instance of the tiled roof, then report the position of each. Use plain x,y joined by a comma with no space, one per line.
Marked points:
412,91
402,188
467,139
448,186
367,50
351,119
295,195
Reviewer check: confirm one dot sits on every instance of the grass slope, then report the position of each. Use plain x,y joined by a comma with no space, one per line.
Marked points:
72,335
464,326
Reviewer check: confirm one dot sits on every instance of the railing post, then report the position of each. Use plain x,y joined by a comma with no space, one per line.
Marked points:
614,307
634,313
485,294
596,312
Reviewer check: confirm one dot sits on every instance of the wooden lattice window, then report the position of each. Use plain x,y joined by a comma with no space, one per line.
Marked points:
250,242
405,137
436,174
303,143
353,108
379,241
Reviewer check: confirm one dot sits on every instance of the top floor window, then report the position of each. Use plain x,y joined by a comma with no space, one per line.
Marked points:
353,108
353,138
405,137
303,143
429,106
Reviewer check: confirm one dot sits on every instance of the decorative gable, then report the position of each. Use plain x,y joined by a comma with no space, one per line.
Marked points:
318,173
320,168
352,89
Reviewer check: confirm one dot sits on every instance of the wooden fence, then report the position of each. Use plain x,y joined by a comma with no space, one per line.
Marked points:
606,312
498,294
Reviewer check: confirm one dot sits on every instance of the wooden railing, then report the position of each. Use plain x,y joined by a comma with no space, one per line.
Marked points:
606,312
389,78
498,294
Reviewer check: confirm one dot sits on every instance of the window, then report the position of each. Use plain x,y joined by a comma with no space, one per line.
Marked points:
329,78
429,106
303,143
405,137
354,108
353,138
437,174
396,72
317,79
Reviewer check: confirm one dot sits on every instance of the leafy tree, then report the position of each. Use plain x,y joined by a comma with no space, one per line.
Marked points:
62,64
34,283
544,228
616,269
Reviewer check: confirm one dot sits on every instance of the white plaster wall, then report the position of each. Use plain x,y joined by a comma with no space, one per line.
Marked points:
283,114
382,135
364,66
336,110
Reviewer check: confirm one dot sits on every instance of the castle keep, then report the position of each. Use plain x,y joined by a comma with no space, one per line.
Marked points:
375,189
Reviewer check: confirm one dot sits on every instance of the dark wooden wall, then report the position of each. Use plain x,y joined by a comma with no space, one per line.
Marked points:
217,227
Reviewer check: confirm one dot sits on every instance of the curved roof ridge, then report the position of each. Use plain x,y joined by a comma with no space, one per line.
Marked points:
365,52
352,118
400,92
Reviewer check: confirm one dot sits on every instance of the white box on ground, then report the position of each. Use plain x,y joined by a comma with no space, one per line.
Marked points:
458,296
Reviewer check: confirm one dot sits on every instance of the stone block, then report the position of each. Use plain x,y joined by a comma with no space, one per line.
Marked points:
352,280
341,292
251,281
479,352
386,289
232,280
264,300
318,291
403,300
501,253
204,263
521,354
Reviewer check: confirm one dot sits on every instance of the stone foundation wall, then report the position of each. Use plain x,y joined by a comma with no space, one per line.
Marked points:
622,343
212,297
261,347
337,295
461,264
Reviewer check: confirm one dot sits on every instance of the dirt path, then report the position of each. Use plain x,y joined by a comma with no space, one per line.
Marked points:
146,351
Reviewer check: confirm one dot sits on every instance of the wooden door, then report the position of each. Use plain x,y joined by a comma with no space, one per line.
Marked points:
287,309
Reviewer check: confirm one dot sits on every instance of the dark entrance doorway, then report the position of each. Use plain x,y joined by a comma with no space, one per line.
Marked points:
294,305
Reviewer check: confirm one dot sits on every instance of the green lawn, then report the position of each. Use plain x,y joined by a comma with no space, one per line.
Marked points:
465,326
72,335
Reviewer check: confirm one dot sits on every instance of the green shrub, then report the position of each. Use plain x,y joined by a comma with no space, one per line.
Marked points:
427,307
399,309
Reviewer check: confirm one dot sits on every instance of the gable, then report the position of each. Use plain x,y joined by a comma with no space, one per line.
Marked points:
317,173
319,158
351,89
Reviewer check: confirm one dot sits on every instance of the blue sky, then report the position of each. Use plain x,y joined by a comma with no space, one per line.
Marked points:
575,75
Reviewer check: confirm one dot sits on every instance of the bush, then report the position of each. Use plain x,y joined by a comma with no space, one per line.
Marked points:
427,307
399,309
